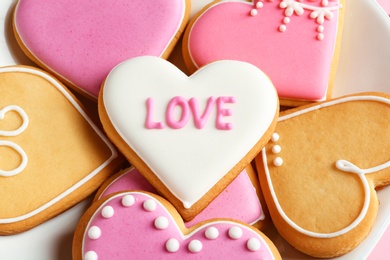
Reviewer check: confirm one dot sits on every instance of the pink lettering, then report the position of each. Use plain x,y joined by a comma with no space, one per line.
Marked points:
179,119
200,120
150,124
223,112
185,112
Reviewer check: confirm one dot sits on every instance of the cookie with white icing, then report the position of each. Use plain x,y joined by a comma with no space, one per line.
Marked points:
52,155
145,226
241,199
189,136
320,171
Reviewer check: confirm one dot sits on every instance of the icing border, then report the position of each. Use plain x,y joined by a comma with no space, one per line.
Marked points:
68,96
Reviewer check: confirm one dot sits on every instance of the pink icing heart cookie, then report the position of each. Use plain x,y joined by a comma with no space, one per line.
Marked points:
189,136
241,200
320,171
52,155
294,42
81,41
145,226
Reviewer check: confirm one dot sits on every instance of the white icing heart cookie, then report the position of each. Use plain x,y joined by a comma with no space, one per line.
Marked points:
144,226
320,170
189,136
52,155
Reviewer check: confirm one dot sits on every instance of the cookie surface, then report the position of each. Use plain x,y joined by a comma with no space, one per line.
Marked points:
188,152
81,41
320,172
52,154
144,226
241,199
295,43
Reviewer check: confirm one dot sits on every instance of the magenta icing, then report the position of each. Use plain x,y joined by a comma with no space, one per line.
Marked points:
223,112
188,108
238,201
201,120
172,122
140,232
83,40
150,124
287,48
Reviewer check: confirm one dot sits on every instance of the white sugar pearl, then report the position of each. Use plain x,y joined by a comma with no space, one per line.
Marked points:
172,245
107,212
91,255
276,149
278,161
150,205
161,222
94,232
275,137
128,200
253,12
253,244
235,232
212,233
195,246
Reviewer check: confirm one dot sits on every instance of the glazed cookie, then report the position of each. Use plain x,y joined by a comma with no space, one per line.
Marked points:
51,153
320,171
189,136
241,200
144,226
80,41
296,43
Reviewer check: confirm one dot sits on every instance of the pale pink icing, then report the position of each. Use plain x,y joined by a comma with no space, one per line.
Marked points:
83,40
238,201
143,228
297,62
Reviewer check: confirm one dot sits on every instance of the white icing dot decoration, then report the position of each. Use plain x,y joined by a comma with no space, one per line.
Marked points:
212,233
94,232
278,161
253,12
320,36
161,222
275,137
282,28
195,246
320,29
286,20
235,232
253,244
149,205
107,212
128,200
90,255
172,245
276,149
259,4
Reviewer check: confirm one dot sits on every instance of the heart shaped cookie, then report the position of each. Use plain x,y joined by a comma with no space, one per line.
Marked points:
241,200
320,171
52,155
81,41
189,136
144,226
294,42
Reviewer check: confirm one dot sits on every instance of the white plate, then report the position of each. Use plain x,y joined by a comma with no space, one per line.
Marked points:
364,66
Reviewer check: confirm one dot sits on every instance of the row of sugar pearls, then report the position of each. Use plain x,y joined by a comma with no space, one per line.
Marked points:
278,161
107,212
